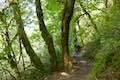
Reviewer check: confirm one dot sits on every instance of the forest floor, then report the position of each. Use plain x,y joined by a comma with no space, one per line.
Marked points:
79,72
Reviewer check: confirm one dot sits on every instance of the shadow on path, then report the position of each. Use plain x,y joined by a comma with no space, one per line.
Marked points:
79,72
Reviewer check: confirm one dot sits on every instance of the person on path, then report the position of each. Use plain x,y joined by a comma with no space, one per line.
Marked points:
77,55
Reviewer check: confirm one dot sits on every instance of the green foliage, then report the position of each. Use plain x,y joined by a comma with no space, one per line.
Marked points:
102,47
91,48
107,59
34,74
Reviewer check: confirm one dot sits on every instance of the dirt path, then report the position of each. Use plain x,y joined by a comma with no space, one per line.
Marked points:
79,72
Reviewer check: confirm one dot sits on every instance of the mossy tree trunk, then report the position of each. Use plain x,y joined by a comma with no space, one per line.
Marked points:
67,14
46,36
34,58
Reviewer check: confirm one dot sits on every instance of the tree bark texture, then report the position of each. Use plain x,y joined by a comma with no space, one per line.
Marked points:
46,36
67,14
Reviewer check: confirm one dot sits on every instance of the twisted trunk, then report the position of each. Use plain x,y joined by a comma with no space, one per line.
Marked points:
46,36
67,14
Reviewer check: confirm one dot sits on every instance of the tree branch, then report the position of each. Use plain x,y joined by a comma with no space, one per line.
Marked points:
89,16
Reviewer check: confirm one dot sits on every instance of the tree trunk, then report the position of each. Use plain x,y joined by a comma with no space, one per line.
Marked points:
46,36
106,3
67,14
34,58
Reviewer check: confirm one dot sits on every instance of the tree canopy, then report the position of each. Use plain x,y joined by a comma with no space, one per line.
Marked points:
39,38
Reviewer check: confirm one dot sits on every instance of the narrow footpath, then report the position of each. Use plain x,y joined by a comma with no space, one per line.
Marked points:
80,72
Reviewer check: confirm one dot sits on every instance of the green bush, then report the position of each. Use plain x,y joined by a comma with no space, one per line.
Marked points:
107,59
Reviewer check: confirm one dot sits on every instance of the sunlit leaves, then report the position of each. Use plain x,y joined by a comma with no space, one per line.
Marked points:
53,5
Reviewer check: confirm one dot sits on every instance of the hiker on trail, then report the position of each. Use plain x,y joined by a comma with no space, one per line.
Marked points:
79,61
77,55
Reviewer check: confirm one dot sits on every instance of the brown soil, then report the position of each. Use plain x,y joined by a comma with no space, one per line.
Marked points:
79,72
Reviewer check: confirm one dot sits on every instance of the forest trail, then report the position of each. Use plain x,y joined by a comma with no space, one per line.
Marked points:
78,73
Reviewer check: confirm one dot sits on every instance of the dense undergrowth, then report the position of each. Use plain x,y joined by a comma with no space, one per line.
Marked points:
106,54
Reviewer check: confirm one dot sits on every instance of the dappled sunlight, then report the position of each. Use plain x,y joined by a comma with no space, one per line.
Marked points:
59,40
